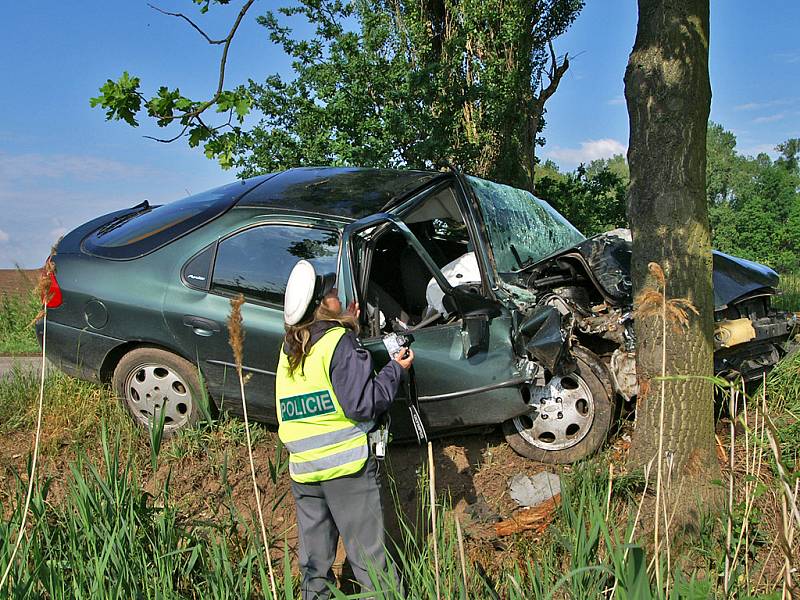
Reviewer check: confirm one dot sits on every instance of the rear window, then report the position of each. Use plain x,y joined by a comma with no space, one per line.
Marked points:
139,232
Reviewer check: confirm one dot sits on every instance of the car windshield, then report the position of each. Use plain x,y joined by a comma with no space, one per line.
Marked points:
522,228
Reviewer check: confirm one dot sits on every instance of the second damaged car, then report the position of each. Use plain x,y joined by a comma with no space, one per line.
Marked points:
516,318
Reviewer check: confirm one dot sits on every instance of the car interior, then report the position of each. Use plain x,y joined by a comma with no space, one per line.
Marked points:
401,294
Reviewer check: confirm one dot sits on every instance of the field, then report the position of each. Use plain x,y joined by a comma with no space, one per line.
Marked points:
17,281
117,513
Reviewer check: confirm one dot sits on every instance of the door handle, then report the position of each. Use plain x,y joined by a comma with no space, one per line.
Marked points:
201,326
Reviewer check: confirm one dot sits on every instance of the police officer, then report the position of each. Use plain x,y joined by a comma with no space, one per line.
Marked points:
328,401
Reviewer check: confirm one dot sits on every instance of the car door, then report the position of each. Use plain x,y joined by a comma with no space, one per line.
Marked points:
254,261
465,369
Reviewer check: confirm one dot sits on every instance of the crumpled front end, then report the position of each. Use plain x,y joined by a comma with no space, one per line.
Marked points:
591,282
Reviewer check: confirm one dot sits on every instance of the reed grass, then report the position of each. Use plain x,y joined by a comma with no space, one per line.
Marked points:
236,340
36,440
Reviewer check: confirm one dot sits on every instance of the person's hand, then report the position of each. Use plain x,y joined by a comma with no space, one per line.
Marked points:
404,358
353,309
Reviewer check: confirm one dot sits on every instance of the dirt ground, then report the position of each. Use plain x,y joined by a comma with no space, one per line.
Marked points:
17,281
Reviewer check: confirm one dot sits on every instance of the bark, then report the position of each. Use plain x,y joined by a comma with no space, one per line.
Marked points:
668,94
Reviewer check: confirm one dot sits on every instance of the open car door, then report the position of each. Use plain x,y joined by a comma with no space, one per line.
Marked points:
465,369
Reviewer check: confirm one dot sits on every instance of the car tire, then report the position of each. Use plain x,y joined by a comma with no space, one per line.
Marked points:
147,379
585,421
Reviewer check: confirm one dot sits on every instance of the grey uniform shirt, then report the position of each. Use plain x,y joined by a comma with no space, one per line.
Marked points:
362,394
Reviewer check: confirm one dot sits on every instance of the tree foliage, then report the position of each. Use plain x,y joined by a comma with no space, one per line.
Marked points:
754,203
380,83
592,197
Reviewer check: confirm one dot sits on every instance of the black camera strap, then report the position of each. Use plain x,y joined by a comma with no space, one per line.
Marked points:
413,408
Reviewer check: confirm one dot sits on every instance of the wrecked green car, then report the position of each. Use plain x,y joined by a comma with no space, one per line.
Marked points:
517,319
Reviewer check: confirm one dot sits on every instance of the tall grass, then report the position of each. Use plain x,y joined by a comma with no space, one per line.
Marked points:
17,312
109,539
783,397
790,292
73,409
582,556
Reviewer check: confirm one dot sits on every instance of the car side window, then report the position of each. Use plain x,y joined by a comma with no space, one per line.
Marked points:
257,261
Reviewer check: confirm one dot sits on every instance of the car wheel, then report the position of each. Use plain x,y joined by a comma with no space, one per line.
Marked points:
570,416
148,380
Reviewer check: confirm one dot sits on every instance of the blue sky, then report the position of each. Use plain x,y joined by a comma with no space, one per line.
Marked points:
61,163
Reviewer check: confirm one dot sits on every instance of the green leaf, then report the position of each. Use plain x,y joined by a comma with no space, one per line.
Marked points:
120,98
197,135
242,107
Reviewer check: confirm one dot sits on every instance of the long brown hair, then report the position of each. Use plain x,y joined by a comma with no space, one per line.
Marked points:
297,338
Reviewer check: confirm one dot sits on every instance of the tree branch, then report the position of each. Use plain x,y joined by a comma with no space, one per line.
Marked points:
223,60
556,73
189,21
170,140
225,48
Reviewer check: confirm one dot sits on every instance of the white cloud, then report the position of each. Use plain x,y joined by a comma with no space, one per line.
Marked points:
66,166
616,100
770,118
767,104
757,149
3,236
788,57
588,151
45,209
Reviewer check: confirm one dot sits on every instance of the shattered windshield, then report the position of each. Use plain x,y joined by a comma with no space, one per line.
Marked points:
522,228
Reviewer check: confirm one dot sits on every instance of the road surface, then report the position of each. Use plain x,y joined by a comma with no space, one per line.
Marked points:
28,363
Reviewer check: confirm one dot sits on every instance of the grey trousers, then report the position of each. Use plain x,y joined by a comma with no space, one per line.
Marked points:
348,506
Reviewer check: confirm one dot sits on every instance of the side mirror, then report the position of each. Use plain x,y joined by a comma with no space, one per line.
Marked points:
475,334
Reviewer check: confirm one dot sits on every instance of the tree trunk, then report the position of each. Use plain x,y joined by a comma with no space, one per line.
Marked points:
668,95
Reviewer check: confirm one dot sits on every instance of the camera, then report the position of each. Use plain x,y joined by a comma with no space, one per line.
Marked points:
395,343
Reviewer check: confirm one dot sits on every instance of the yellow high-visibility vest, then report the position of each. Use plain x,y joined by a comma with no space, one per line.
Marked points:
322,442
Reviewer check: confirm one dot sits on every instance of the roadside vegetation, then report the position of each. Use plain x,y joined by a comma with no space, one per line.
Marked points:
116,513
790,293
17,312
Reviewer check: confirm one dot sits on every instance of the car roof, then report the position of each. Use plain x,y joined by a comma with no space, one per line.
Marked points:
342,191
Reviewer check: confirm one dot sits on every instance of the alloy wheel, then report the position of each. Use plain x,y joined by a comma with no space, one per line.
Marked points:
151,388
561,414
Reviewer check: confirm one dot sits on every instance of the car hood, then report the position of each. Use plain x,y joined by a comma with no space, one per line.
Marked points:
609,258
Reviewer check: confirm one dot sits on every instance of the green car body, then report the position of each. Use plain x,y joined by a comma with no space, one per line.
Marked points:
146,295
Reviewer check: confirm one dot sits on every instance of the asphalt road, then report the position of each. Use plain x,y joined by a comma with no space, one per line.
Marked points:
28,363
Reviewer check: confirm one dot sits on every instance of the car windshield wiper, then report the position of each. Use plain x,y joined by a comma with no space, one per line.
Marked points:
122,219
522,264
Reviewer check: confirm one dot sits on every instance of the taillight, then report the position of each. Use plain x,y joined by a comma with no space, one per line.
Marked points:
54,298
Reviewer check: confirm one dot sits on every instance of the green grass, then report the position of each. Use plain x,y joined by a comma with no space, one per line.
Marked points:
106,537
73,409
783,397
790,293
17,335
109,539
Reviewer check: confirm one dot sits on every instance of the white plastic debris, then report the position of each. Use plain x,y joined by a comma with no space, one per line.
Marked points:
532,491
462,270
